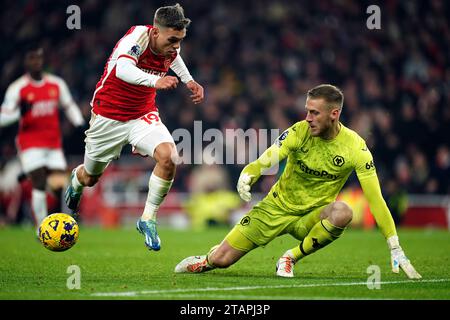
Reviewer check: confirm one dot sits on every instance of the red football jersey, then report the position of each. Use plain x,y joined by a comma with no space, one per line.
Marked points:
116,99
38,102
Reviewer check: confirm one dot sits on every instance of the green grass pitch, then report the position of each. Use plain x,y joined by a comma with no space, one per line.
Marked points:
114,264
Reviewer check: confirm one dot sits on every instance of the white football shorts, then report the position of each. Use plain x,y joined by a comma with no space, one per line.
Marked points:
35,158
106,137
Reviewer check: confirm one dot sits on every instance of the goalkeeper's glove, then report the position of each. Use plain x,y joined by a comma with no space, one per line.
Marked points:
399,260
243,187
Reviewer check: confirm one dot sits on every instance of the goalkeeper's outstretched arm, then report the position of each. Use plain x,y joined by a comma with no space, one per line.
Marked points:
284,144
383,217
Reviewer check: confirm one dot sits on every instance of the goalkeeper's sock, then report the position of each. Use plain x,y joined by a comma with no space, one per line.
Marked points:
321,234
157,191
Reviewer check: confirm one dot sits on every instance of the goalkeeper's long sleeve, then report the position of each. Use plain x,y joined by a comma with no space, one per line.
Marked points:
378,207
286,143
272,156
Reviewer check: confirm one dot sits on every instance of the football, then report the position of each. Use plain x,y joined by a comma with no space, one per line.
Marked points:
58,232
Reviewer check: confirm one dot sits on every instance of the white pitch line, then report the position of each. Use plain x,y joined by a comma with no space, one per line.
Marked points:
281,286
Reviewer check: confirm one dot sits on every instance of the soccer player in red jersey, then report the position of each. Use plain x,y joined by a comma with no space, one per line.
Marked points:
124,111
34,100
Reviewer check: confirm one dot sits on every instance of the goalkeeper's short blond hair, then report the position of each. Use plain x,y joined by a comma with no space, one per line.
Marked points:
331,94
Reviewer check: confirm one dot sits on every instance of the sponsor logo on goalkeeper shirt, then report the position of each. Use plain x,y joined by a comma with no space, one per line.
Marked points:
318,173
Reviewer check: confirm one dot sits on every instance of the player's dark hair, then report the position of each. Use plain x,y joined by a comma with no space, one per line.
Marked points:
331,94
31,46
171,17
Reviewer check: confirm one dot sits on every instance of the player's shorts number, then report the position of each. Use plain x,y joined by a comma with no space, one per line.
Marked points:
150,118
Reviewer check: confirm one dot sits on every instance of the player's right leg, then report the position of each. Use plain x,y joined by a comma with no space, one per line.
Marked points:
34,162
229,251
38,179
104,141
85,175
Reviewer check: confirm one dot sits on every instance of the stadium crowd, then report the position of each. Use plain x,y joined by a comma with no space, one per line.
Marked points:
256,60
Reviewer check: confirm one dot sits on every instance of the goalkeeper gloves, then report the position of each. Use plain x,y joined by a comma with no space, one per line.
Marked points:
399,260
243,187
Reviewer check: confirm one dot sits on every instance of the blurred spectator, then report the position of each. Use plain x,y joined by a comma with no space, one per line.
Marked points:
396,200
441,169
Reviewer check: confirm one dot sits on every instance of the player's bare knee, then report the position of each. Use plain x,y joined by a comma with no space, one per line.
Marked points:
341,214
38,178
164,156
167,164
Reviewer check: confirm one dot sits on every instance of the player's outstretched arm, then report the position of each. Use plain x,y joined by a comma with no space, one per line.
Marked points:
399,259
244,185
286,143
251,173
71,109
379,209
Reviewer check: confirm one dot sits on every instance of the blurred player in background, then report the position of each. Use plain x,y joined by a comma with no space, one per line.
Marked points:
124,111
34,100
321,154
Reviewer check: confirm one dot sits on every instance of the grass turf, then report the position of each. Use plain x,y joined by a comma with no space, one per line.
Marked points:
115,264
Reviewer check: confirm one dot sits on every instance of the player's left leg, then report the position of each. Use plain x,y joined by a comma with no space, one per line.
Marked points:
323,229
161,179
104,141
151,138
34,163
159,185
229,251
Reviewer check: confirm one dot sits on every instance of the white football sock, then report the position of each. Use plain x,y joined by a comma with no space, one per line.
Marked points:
77,186
157,191
39,205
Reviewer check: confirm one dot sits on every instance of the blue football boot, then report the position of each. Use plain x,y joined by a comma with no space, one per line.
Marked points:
148,228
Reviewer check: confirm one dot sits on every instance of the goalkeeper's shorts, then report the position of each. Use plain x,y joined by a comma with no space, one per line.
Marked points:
266,221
